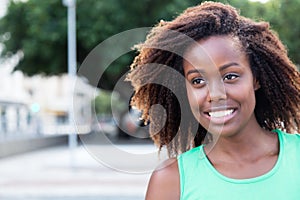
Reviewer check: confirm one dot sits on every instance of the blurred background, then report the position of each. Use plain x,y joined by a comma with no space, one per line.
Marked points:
42,155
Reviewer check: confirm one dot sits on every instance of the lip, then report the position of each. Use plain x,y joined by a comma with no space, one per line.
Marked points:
219,108
223,119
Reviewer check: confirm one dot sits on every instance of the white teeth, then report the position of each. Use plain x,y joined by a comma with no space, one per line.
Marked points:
222,113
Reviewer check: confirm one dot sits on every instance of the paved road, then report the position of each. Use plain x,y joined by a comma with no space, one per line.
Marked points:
83,173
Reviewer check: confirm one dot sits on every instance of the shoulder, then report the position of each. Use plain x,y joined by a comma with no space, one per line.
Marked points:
288,136
290,141
164,182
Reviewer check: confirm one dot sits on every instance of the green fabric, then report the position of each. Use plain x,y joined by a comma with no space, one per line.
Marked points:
200,180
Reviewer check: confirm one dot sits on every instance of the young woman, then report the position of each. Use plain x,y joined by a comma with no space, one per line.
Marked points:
225,122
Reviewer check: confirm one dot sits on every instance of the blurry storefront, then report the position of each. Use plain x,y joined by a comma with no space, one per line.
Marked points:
42,105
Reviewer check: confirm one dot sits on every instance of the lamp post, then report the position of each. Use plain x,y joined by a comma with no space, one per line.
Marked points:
71,5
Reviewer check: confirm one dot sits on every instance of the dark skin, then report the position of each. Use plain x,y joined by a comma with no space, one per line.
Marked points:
223,101
164,182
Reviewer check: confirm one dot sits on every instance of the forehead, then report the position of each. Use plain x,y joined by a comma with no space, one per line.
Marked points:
214,50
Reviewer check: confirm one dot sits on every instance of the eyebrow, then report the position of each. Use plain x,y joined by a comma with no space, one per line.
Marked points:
223,67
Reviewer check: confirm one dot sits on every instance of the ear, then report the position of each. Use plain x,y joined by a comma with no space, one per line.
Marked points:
256,84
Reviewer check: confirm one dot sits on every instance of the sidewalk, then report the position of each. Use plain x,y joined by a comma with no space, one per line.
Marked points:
56,173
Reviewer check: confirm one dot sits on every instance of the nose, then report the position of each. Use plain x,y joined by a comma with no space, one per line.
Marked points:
216,91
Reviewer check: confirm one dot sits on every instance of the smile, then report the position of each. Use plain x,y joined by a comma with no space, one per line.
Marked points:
222,113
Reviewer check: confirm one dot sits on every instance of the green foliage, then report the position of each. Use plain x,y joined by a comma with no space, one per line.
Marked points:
105,100
38,29
33,27
284,18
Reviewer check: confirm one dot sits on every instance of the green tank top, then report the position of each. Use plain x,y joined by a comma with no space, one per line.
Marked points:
200,180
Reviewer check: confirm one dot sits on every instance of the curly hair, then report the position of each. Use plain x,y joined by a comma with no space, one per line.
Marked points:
277,99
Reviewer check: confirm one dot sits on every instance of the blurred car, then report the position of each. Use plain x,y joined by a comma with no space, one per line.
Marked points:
131,125
106,125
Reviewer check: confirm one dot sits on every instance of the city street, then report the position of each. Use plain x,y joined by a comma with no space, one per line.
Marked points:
63,174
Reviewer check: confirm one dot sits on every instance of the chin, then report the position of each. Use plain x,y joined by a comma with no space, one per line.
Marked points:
221,131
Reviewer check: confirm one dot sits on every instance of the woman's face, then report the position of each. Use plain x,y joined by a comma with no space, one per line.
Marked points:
220,85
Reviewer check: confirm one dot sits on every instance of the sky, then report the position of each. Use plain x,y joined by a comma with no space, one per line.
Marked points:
3,4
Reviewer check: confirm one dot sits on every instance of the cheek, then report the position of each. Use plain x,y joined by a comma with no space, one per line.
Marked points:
251,99
245,95
191,95
196,99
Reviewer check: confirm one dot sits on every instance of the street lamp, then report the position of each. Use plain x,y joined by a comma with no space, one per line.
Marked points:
71,5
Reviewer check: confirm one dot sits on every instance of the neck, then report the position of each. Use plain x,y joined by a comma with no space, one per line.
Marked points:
247,142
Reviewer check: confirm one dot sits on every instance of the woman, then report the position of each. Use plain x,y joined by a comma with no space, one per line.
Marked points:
224,124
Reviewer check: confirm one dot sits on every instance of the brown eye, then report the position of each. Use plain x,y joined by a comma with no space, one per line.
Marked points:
230,77
198,81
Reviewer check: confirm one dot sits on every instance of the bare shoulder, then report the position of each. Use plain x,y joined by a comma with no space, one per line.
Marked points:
164,182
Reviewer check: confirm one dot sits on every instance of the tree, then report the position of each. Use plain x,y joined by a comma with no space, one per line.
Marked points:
103,102
40,37
38,29
282,15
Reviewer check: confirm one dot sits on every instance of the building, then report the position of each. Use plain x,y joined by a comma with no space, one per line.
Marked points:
43,105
